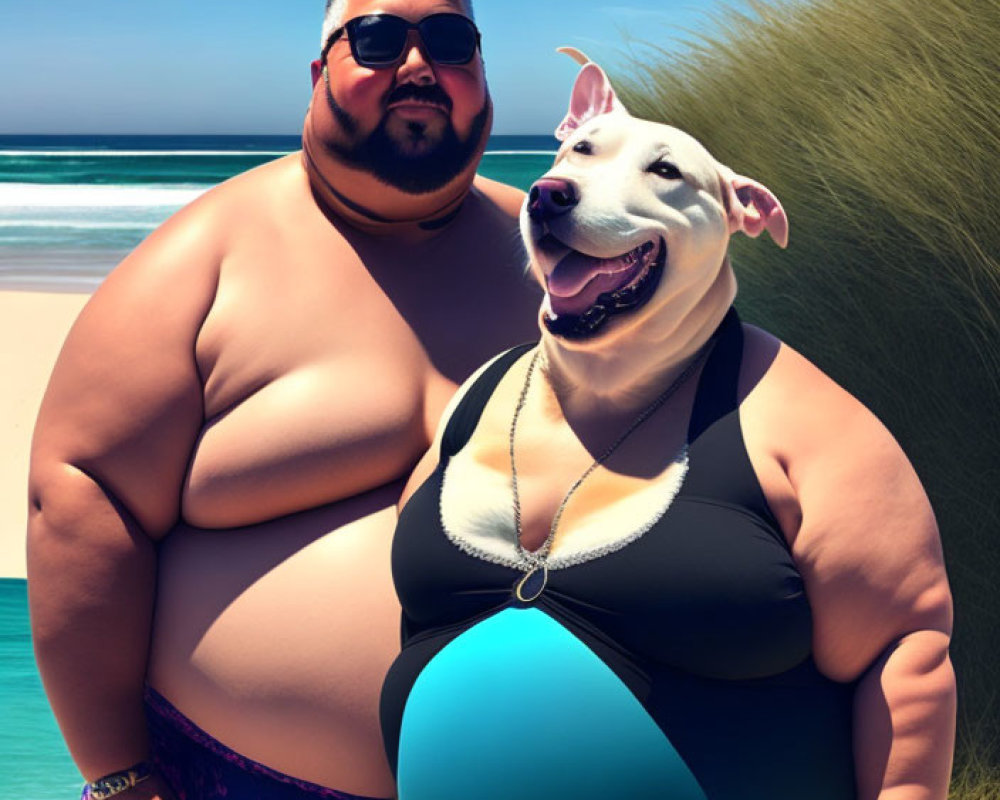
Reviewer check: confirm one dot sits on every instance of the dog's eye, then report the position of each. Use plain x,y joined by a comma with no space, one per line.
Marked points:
665,170
583,147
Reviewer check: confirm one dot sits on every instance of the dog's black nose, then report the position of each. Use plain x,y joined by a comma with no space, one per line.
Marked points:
550,197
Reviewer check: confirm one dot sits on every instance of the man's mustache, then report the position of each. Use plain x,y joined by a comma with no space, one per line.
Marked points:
425,94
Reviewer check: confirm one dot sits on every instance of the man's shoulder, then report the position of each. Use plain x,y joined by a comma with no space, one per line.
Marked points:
507,198
244,202
259,188
197,238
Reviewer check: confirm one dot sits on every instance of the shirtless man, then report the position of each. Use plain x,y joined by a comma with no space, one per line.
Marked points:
227,428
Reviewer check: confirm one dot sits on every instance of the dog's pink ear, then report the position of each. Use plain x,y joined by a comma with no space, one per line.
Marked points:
752,207
592,96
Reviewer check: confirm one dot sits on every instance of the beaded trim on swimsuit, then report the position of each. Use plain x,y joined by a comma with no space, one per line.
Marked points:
158,704
515,560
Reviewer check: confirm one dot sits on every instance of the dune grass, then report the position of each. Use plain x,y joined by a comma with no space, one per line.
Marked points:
877,124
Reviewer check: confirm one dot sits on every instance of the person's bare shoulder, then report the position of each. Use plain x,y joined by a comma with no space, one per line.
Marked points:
507,198
188,248
865,538
124,403
196,237
249,199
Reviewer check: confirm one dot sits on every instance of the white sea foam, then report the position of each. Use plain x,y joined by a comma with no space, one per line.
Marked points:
130,153
21,196
79,225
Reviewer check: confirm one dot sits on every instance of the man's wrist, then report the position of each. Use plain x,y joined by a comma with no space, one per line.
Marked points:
117,782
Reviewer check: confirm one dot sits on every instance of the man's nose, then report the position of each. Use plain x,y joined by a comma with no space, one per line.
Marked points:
415,66
551,197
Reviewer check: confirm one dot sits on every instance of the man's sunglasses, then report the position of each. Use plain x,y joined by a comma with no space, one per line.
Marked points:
379,40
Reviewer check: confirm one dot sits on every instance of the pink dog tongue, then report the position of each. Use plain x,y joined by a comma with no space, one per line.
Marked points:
576,270
578,280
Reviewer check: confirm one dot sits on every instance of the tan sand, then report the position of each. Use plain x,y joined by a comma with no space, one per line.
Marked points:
33,325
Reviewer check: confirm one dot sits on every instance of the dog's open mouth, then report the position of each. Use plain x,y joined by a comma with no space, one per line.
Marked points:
585,292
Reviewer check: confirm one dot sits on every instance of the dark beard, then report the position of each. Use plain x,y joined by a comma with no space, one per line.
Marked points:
413,173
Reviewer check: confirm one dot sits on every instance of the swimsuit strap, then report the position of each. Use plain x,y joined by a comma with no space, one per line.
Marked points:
470,408
720,466
718,385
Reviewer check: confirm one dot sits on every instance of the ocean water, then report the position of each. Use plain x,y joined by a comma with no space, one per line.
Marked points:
71,206
34,762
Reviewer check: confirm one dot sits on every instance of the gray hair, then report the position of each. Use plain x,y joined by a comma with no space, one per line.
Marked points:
335,10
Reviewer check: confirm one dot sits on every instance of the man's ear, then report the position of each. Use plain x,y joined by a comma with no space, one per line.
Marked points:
316,67
751,207
592,96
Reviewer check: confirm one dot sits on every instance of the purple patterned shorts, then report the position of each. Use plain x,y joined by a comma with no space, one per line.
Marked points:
199,767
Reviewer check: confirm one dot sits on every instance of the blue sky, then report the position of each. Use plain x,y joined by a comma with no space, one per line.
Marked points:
222,66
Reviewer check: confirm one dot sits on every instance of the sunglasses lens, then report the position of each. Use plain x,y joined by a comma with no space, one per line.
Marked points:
449,38
377,40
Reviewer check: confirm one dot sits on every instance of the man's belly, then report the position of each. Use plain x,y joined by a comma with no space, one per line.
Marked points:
275,638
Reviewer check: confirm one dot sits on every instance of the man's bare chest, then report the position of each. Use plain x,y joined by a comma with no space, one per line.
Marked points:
312,393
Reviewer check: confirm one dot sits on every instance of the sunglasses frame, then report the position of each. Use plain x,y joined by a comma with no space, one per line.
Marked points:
352,24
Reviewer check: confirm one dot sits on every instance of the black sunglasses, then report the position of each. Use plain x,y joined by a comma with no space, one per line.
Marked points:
378,40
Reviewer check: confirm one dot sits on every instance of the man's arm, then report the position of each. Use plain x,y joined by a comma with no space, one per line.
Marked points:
111,447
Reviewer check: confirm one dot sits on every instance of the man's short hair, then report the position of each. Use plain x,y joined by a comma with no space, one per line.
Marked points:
334,17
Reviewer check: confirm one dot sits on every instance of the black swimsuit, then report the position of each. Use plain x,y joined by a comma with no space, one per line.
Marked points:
678,666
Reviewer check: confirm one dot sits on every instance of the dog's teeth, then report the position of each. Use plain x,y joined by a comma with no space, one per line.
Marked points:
624,297
594,316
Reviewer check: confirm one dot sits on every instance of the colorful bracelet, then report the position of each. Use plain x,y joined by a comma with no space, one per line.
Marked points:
116,782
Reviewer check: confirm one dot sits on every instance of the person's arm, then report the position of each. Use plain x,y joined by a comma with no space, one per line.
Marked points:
870,555
904,720
110,450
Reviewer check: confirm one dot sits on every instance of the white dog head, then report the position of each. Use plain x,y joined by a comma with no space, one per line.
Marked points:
628,232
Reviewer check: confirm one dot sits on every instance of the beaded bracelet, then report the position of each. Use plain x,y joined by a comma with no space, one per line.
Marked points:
116,782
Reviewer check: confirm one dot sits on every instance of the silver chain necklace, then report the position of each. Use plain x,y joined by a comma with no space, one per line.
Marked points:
530,586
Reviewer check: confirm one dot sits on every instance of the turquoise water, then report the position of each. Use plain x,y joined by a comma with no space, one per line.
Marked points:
188,160
71,207
34,762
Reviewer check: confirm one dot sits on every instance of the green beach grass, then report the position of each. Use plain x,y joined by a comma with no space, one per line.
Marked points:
877,124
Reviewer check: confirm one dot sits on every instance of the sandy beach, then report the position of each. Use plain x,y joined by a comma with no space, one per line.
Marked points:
33,325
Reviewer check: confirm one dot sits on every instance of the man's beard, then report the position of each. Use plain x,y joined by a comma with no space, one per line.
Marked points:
414,173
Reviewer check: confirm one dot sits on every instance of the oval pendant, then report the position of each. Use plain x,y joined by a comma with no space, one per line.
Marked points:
530,587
